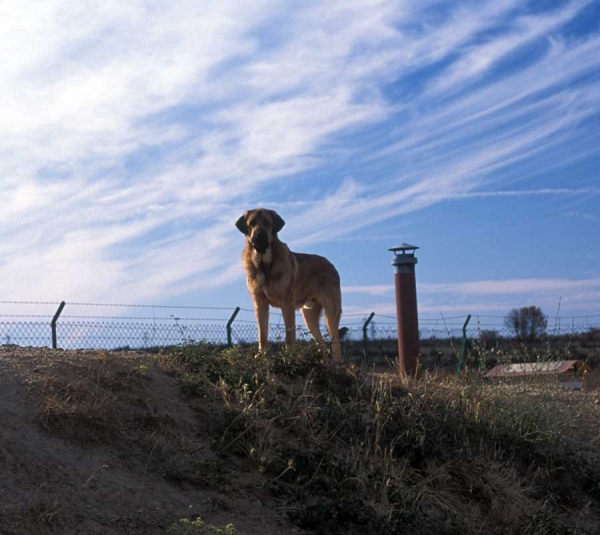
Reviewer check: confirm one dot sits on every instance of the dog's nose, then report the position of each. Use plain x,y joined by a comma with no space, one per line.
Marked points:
260,241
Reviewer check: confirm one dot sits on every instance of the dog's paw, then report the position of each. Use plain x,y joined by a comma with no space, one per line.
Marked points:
261,353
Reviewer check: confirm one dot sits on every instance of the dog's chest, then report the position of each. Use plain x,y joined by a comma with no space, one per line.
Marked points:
260,280
271,284
272,289
263,274
270,274
274,297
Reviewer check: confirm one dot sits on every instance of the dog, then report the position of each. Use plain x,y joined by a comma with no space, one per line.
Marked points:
290,281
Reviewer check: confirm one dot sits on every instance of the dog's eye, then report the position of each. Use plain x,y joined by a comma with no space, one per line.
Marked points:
252,223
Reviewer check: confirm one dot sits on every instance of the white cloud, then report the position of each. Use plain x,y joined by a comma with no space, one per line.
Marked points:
486,287
135,133
480,58
520,286
374,289
126,126
486,296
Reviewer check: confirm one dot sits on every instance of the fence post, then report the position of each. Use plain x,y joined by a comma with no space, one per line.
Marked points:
364,329
53,323
463,346
235,313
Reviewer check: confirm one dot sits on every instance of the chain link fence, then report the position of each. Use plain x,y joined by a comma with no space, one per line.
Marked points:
144,327
118,326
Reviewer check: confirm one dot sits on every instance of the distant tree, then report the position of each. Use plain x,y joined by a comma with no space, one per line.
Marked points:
526,323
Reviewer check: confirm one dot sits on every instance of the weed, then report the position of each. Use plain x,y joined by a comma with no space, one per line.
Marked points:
208,473
197,526
71,412
42,513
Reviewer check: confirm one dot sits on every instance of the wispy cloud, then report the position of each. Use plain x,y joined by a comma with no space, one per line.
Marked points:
134,134
499,296
479,58
582,215
543,192
374,289
520,286
485,287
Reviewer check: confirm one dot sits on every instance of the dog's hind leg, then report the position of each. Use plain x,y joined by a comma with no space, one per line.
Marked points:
311,319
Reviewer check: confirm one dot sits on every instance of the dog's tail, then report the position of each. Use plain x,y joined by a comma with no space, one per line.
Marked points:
342,332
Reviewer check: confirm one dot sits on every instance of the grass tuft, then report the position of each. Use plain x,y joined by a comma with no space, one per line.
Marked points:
353,451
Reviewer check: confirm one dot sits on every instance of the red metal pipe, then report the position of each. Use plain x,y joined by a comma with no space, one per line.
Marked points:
406,307
408,322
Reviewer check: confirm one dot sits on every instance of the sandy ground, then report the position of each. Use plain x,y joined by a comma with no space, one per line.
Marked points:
102,443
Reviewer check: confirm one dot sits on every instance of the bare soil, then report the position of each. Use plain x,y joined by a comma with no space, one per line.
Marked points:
93,442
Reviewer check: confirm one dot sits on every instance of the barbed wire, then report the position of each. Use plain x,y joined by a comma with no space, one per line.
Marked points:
118,318
30,302
121,305
26,316
366,313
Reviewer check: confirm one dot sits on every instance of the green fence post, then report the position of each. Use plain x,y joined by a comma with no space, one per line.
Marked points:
235,313
364,329
463,346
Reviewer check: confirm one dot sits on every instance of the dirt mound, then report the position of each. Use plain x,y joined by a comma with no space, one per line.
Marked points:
190,442
104,443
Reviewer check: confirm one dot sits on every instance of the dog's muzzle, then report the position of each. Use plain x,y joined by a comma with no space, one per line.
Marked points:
260,242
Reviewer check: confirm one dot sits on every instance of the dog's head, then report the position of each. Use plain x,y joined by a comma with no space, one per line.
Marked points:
260,226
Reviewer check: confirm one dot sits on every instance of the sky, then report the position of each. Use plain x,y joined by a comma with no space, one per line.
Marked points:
134,134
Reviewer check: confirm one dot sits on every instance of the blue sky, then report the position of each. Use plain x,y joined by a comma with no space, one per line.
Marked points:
135,133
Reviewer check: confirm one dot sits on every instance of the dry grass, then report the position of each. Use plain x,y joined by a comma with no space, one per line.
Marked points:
90,407
356,451
104,443
336,450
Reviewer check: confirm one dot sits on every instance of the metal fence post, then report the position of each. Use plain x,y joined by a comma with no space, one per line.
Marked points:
53,323
364,329
235,313
463,346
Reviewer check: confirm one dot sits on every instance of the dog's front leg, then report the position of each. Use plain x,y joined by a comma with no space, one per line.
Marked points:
261,309
289,318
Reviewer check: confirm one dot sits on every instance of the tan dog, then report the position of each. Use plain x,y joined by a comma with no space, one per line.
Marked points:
278,277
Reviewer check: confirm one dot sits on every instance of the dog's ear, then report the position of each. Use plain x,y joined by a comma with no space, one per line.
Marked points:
242,225
277,222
